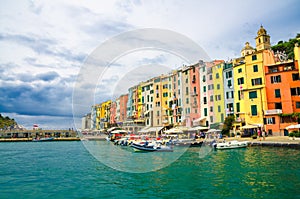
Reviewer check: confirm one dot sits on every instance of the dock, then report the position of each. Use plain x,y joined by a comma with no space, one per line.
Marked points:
30,139
271,141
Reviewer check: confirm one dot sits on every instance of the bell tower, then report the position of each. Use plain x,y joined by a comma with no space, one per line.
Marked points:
262,39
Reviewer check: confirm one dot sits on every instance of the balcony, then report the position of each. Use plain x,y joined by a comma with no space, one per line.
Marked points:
273,111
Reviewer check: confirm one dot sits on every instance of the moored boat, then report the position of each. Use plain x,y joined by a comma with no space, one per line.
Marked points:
231,145
43,139
151,147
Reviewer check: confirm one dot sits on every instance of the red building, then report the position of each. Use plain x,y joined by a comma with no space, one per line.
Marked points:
283,96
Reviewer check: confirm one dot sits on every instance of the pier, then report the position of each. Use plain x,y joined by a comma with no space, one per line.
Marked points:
28,135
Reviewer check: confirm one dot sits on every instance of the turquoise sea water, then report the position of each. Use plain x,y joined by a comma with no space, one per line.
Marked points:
67,170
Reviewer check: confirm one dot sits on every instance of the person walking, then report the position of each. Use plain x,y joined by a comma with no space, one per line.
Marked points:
259,134
264,134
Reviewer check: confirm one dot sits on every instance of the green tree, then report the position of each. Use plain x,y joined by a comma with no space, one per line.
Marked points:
228,124
287,46
6,122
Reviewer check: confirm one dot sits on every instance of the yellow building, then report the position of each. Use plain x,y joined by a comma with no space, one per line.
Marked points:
219,107
165,100
249,83
103,115
139,102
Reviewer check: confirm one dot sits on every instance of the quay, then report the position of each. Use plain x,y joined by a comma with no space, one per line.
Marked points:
30,139
17,135
271,141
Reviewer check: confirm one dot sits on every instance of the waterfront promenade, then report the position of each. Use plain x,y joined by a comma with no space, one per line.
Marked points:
271,141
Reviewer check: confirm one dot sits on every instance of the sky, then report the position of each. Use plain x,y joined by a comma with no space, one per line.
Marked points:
46,45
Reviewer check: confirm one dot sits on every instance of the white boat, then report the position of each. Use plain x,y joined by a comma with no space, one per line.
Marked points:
231,145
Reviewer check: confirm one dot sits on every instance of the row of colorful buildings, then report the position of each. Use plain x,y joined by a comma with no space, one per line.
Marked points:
261,89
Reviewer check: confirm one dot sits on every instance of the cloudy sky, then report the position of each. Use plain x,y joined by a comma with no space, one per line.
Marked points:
45,44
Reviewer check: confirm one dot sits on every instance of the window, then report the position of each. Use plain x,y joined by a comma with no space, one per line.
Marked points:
257,81
211,119
254,57
240,80
297,104
194,79
252,94
277,93
157,113
203,78
253,110
275,79
217,75
205,111
157,121
222,117
204,88
195,90
204,100
211,109
295,76
211,98
295,91
239,95
218,86
219,108
186,90
228,74
255,68
240,70
238,107
210,77
270,120
229,84
187,100
186,80
178,82
278,105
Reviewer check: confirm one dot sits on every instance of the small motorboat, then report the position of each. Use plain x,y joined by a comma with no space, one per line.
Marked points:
230,145
151,147
43,139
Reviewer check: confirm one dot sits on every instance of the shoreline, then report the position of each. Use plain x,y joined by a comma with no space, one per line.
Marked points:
30,139
271,141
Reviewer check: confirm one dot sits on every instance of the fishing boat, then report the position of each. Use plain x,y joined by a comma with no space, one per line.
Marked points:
150,147
43,139
230,145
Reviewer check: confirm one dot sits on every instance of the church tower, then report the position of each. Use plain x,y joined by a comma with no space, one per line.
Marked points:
262,39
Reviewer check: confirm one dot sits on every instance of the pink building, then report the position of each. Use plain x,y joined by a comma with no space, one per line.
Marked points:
195,93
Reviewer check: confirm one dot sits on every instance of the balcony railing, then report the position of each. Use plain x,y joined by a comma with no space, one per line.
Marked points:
273,111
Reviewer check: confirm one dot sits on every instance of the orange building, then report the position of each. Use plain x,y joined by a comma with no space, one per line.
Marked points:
283,96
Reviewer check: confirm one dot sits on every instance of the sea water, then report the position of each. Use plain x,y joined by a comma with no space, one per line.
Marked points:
68,170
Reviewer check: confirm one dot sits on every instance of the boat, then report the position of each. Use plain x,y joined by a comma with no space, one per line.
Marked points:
43,139
230,145
150,147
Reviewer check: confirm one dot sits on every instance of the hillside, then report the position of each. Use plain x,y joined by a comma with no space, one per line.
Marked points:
6,122
287,46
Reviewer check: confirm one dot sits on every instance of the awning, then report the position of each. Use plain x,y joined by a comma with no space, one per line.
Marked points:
178,129
155,129
118,132
294,126
113,128
196,128
200,119
249,126
213,131
173,130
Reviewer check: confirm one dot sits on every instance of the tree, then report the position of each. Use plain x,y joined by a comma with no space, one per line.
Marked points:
287,46
228,124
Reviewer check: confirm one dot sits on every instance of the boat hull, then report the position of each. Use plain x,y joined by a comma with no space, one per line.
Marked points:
143,148
230,145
